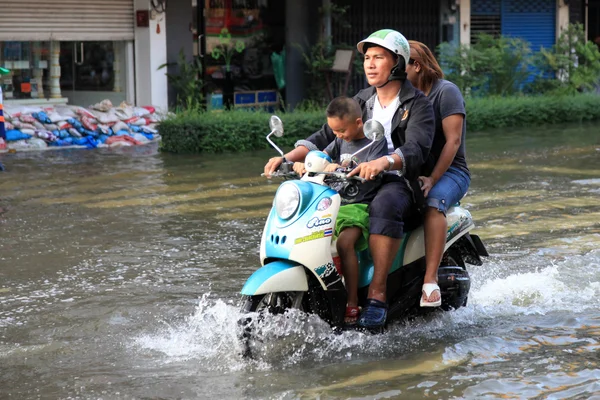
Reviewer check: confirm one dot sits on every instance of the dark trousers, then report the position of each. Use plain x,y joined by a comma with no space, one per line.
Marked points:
392,207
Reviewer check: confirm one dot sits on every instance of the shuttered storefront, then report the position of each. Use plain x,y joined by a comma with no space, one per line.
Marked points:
486,17
532,20
47,20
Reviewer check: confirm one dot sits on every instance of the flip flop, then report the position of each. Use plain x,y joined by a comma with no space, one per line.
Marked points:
352,314
373,315
429,288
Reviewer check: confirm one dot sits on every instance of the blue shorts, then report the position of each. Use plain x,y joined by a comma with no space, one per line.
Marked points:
448,191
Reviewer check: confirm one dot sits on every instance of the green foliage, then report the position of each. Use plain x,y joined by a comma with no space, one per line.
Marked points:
502,66
490,67
193,131
573,61
506,61
320,56
186,82
317,58
462,66
233,131
500,112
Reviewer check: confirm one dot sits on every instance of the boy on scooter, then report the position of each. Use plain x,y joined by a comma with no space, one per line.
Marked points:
344,117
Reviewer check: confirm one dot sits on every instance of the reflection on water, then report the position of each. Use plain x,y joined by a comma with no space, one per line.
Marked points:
120,273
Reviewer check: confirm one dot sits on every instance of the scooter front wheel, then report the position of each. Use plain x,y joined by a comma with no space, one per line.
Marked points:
269,303
274,303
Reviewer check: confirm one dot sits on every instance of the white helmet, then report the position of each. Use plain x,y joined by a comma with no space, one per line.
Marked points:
389,39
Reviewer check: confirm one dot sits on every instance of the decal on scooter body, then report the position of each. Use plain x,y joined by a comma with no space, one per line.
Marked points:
305,238
275,277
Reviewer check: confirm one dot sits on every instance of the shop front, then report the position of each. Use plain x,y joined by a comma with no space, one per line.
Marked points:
243,52
64,51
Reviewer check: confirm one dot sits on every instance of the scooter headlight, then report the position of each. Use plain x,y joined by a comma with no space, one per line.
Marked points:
287,200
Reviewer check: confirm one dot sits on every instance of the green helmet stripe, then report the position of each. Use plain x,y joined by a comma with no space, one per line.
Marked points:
381,34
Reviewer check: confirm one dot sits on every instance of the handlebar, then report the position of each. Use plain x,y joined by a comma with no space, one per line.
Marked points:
342,176
285,170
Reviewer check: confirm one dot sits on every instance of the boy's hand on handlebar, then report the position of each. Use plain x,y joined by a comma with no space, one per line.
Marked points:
331,167
370,170
272,165
299,168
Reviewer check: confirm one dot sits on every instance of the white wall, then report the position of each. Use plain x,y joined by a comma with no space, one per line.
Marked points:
150,50
465,22
562,17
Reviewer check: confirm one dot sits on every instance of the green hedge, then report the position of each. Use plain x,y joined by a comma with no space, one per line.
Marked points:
500,112
237,131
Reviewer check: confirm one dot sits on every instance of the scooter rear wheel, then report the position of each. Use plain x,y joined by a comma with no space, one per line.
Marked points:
455,292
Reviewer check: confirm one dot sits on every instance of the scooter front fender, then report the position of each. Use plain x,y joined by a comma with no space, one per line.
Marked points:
278,276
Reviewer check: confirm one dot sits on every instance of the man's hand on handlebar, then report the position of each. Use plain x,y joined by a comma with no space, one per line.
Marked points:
370,170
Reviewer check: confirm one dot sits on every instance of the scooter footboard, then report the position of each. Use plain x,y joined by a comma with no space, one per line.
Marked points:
277,276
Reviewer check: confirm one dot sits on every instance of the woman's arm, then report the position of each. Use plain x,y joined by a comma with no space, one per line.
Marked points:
452,126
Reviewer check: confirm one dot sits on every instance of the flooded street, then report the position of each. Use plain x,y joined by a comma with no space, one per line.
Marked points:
120,274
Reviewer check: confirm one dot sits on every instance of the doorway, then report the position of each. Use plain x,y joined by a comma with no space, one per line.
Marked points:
92,71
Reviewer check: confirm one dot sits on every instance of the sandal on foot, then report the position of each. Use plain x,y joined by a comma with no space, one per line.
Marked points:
428,289
373,315
352,314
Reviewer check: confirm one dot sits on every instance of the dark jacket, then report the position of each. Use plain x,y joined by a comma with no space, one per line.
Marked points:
413,128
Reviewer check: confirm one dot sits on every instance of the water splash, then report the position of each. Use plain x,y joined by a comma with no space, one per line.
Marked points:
211,333
569,285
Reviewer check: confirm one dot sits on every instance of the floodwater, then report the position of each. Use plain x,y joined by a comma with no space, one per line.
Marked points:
120,274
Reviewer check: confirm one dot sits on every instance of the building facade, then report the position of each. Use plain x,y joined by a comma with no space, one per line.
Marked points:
83,51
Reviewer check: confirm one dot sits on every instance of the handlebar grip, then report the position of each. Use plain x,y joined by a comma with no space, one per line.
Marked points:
286,167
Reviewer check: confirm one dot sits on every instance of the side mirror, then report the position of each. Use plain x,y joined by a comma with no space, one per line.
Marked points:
276,125
374,130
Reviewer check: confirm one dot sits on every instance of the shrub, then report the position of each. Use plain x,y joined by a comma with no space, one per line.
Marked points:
234,131
492,66
186,82
573,60
499,112
238,131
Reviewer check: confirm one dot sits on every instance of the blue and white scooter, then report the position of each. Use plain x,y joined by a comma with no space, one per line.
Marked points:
298,255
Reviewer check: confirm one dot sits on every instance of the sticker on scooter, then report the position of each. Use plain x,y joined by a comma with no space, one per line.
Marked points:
314,236
324,204
328,274
315,222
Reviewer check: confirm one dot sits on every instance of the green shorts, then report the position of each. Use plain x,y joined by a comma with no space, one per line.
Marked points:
354,215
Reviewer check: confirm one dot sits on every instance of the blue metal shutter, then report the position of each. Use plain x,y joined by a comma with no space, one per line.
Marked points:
485,18
532,20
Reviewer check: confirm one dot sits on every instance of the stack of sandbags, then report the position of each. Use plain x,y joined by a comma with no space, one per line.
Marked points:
39,127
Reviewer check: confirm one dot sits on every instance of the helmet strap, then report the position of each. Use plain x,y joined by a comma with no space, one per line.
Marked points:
396,75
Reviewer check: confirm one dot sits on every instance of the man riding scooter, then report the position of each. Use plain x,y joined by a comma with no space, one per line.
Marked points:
408,119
